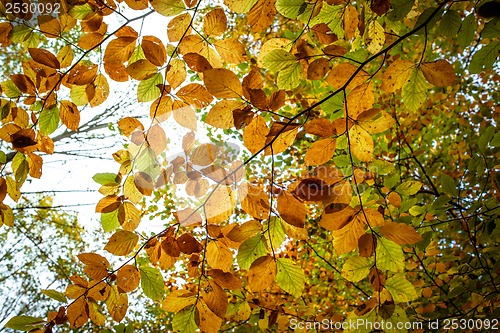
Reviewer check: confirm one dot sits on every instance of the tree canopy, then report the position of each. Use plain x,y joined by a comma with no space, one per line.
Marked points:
311,162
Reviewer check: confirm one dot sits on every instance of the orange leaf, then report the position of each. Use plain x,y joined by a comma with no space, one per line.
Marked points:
439,73
320,152
400,233
262,273
128,278
291,209
70,116
154,50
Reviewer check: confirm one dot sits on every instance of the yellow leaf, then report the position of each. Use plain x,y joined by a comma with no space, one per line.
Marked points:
346,239
141,69
129,216
117,304
220,205
179,26
255,201
378,123
219,256
176,73
360,99
231,50
215,22
337,220
262,273
97,318
320,152
400,233
178,300
222,83
262,15
221,114
119,50
361,143
255,134
240,6
439,73
122,243
209,322
396,75
374,37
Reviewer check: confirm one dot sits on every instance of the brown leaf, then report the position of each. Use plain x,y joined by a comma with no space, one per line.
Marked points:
119,50
338,219
154,50
350,21
77,313
179,26
367,244
225,280
197,62
188,217
141,69
255,201
380,7
144,183
176,73
292,210
188,244
44,57
318,69
215,298
439,73
70,116
96,266
107,204
320,126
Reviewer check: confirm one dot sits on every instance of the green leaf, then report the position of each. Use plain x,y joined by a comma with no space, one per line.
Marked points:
495,142
485,138
467,31
425,15
275,233
415,90
400,288
106,178
491,29
356,269
3,157
20,167
381,167
400,8
450,24
290,277
409,187
484,58
250,250
109,221
49,120
10,89
448,184
25,323
332,17
78,95
290,77
168,7
147,90
389,255
332,106
290,8
54,294
152,282
80,12
277,59
184,320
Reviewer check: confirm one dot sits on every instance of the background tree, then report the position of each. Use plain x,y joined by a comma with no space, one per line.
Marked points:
366,185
